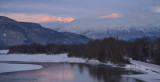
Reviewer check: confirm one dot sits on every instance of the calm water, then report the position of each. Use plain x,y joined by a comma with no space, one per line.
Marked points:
67,72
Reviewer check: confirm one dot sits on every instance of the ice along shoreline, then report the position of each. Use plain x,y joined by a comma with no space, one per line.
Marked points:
7,67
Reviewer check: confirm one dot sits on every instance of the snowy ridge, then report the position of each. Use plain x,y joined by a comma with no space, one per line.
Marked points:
124,30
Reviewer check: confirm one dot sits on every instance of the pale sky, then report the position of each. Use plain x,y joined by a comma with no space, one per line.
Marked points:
69,10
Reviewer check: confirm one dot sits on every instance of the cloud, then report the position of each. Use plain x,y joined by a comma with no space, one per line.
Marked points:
37,18
158,9
55,19
113,15
24,17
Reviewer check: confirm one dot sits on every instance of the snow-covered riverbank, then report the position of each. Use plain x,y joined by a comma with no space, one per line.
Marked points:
40,58
43,58
6,67
152,72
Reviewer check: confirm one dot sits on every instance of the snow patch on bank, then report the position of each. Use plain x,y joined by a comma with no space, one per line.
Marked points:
41,58
3,52
6,67
151,71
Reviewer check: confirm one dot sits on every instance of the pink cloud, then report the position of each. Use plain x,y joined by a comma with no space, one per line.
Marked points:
158,10
24,17
113,15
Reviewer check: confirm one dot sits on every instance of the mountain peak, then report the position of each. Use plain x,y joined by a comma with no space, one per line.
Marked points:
55,19
16,33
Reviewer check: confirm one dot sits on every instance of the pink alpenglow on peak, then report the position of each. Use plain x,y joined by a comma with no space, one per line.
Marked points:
55,19
38,18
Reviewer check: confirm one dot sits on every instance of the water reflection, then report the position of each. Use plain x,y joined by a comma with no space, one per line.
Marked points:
56,73
108,73
64,72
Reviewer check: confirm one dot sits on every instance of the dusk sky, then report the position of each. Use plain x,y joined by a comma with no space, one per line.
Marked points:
69,10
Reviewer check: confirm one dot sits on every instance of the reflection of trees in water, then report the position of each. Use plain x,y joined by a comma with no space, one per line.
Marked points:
105,73
81,68
65,72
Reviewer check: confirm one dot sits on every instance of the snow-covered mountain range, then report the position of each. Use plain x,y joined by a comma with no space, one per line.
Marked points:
119,28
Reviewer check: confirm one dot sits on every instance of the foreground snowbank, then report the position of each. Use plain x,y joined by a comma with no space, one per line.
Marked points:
6,67
152,72
42,58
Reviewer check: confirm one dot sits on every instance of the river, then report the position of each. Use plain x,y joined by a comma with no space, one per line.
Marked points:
70,72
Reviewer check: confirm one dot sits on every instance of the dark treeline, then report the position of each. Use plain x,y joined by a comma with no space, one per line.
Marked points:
108,49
